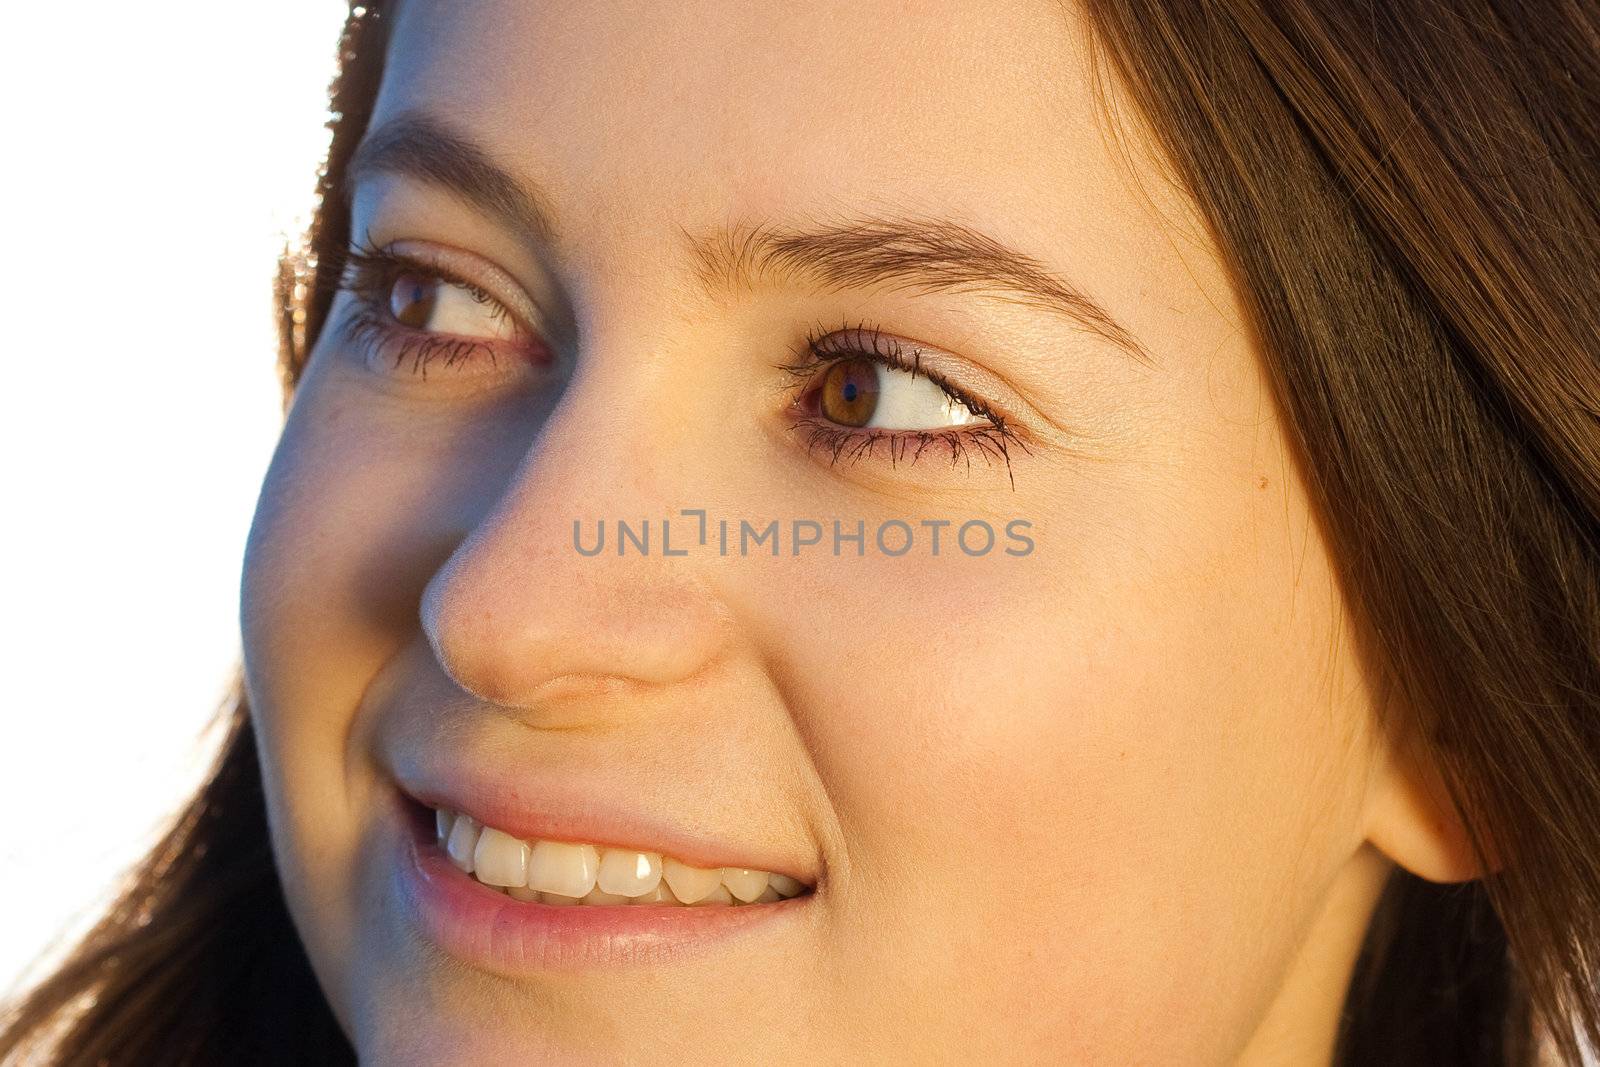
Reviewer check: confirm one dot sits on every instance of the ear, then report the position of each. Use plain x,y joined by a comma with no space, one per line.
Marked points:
1411,819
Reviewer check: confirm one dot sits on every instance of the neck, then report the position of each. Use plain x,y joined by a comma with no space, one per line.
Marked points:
1302,1023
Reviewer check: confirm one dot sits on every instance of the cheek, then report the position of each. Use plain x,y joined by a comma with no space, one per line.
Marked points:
356,513
1093,768
310,641
363,503
326,591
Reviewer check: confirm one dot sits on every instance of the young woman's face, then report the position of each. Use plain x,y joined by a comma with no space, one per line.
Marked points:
1091,792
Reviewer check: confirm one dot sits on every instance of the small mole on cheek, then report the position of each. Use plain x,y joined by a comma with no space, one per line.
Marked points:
1262,484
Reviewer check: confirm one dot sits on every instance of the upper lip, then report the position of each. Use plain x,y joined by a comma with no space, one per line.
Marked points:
547,808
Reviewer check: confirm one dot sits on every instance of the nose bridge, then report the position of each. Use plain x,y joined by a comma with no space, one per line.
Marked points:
518,612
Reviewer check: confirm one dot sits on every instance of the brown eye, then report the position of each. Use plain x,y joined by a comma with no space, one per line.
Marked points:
849,392
412,298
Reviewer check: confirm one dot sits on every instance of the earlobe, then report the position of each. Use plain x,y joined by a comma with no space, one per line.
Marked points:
1412,820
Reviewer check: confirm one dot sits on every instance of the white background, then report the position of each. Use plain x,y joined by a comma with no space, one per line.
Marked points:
155,156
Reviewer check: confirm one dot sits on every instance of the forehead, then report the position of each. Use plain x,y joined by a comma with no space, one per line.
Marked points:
639,121
976,107
743,63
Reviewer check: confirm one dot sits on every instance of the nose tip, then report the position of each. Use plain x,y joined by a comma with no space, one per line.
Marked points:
520,611
518,624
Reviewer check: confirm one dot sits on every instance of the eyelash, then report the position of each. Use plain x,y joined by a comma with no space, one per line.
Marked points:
369,273
822,347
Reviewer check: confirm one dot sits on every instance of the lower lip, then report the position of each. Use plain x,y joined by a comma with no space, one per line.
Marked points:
484,927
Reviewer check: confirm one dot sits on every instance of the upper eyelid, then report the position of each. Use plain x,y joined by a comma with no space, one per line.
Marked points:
385,268
818,357
465,268
1021,417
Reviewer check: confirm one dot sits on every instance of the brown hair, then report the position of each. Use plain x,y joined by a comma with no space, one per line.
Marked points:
1405,194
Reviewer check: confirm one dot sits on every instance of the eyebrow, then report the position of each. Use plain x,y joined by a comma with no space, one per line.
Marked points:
915,253
416,145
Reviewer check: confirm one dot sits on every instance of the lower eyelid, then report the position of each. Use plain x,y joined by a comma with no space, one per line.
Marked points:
988,444
992,440
371,331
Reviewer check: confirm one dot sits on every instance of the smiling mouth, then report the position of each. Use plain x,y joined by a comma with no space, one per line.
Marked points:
576,873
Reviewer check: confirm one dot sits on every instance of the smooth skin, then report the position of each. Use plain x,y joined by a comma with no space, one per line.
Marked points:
1123,800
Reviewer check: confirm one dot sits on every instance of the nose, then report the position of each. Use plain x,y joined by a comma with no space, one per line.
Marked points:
518,616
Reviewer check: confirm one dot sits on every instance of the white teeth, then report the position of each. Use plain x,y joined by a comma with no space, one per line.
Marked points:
719,895
563,873
463,841
560,867
661,894
785,885
744,883
500,859
629,874
559,900
600,896
689,884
